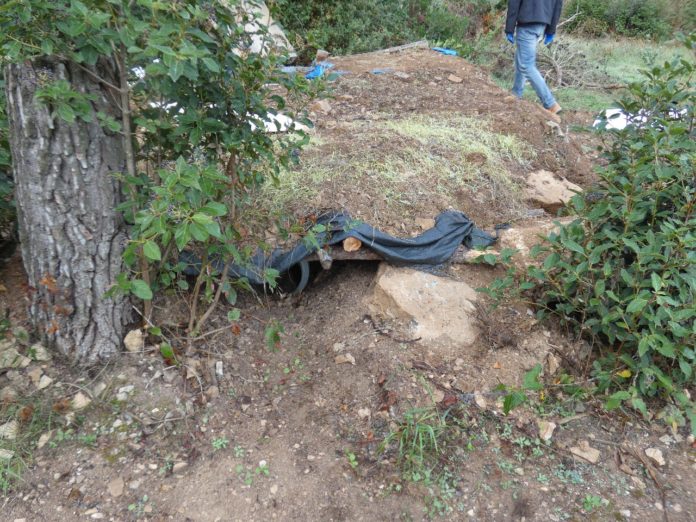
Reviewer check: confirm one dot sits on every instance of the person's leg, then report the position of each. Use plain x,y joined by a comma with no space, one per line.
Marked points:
520,80
525,63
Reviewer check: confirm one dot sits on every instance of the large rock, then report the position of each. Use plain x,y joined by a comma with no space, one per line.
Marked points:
548,191
439,309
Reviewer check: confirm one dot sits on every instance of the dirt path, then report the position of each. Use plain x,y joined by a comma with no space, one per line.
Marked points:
247,431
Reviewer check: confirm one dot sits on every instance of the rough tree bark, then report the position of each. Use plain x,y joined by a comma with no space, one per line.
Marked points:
71,236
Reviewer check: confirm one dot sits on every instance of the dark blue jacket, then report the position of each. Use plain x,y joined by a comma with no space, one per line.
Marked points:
522,12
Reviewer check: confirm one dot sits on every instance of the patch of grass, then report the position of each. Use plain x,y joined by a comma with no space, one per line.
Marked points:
34,417
394,168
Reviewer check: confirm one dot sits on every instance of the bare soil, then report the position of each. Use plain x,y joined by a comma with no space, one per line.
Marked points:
247,431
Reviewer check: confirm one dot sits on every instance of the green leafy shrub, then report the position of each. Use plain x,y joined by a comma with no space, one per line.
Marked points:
624,272
647,18
347,27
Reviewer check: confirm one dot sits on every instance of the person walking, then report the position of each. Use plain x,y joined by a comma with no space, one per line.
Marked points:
527,22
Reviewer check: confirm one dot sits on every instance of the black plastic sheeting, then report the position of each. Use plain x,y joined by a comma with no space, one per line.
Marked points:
433,247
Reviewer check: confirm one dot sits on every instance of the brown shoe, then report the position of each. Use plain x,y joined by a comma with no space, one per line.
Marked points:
553,112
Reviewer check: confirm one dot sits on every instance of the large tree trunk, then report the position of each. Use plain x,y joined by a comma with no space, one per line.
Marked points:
71,235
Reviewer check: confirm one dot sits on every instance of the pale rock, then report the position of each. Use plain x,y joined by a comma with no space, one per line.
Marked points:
20,520
98,388
553,363
480,400
11,358
8,395
677,508
548,191
519,471
338,347
135,341
134,484
322,55
274,489
322,106
438,309
454,79
364,413
80,401
44,382
345,358
438,396
6,454
656,456
116,486
219,371
9,430
44,438
179,466
546,430
425,223
38,352
402,75
35,375
97,516
586,452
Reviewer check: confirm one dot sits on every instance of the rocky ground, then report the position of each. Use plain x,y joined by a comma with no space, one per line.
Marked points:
307,428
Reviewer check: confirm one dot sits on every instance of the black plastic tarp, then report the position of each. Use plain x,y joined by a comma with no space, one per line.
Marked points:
433,247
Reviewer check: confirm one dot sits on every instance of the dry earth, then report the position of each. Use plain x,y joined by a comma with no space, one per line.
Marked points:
241,431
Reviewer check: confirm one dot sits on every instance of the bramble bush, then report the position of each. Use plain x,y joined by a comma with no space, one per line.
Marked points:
645,18
348,27
624,272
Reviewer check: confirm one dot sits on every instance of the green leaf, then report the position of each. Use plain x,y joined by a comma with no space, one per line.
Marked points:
234,315
531,379
211,64
167,351
513,400
141,289
176,70
213,208
202,219
615,400
572,245
636,305
152,251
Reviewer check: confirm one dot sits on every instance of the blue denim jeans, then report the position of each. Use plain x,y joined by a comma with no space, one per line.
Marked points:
527,38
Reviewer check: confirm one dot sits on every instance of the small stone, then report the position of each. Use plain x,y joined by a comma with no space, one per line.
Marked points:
97,515
178,466
8,395
44,382
6,454
659,506
677,508
219,369
553,363
135,341
38,352
454,79
546,430
626,513
402,75
519,471
147,509
586,452
339,347
9,430
364,413
438,396
274,489
345,358
480,400
98,389
322,106
80,401
44,438
322,55
656,456
134,484
115,487
20,520
35,375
